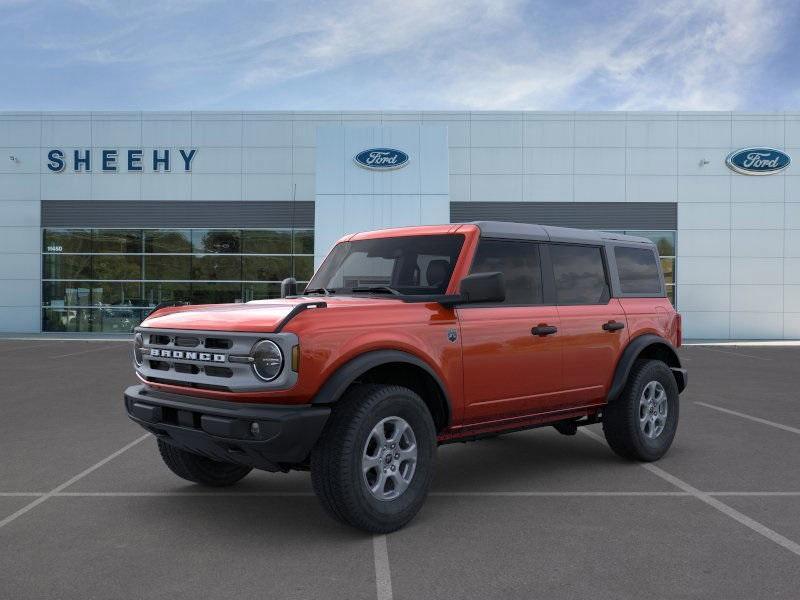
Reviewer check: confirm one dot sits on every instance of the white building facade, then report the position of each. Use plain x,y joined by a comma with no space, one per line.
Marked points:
105,215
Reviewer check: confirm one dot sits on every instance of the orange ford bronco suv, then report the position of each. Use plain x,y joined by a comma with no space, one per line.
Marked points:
409,338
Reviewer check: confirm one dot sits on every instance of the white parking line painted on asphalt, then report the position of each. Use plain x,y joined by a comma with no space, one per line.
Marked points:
734,514
183,494
434,494
383,575
741,354
69,482
750,417
82,352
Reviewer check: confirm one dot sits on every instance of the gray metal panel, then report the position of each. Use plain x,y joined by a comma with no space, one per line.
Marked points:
184,213
583,215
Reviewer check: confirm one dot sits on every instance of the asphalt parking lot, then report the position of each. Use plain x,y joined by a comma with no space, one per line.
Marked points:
87,509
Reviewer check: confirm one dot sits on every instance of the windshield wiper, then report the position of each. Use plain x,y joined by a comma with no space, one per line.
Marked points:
321,290
376,289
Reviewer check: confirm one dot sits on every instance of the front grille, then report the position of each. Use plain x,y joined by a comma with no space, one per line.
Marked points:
199,359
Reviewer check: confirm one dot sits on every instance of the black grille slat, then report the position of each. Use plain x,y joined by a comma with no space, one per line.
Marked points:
218,343
218,371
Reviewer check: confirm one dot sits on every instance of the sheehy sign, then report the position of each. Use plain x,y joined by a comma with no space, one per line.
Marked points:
133,160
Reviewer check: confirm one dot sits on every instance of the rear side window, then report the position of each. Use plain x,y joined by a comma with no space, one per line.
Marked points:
520,265
580,277
638,271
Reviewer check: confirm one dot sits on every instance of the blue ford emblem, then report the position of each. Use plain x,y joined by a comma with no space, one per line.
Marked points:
758,161
381,159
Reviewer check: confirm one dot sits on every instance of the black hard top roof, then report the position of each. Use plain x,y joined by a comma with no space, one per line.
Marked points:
548,233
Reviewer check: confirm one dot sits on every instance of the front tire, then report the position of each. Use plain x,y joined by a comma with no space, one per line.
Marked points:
199,469
641,423
373,464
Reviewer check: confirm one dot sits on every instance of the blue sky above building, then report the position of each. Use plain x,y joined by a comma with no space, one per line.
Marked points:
443,54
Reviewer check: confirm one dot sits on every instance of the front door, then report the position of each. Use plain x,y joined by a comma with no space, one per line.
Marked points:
593,324
511,351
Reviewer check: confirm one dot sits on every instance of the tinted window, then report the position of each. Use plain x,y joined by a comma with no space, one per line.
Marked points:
579,274
638,271
519,264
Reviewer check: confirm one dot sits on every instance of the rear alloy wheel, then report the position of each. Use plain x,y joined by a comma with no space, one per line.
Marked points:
642,422
373,464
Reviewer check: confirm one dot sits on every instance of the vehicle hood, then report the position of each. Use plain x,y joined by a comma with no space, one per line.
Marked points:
261,316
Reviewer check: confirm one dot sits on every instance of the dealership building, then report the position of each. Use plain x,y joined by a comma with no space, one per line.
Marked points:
104,215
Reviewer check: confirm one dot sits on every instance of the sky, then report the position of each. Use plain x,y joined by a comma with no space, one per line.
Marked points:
399,55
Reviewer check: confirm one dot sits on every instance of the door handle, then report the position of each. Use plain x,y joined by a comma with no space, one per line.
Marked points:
613,326
543,330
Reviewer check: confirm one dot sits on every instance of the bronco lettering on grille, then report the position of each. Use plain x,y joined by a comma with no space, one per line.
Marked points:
182,354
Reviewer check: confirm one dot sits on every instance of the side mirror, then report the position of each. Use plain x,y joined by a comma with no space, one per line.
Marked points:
479,287
288,287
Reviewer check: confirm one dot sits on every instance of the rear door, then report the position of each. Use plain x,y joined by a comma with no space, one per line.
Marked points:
510,369
593,325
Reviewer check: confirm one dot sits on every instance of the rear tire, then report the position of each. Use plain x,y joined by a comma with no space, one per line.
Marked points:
199,469
641,423
373,465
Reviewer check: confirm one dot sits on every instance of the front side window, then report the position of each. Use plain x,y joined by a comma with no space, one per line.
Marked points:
416,265
638,271
579,273
520,265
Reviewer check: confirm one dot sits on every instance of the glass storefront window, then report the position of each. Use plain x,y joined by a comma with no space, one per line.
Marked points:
270,241
67,266
157,292
267,268
67,240
165,266
227,241
162,241
216,293
216,268
303,267
108,280
260,291
121,241
117,266
303,241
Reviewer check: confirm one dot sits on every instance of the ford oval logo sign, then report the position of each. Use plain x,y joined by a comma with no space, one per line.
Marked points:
758,161
381,159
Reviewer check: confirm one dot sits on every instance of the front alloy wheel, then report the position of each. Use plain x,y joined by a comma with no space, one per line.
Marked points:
389,458
373,464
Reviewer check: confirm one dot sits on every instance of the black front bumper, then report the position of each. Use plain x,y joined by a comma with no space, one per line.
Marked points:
225,431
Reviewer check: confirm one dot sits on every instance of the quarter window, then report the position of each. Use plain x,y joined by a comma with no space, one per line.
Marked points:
638,271
520,265
579,273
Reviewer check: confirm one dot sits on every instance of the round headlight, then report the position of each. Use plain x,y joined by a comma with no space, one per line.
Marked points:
267,360
138,344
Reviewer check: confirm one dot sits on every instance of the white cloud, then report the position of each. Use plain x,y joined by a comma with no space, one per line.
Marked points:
461,54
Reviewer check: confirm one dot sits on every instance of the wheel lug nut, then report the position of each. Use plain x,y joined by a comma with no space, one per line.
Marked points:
392,467
397,456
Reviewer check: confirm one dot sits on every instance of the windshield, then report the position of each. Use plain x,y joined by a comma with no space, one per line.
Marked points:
419,264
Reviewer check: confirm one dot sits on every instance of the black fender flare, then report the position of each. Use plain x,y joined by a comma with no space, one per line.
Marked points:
631,353
337,384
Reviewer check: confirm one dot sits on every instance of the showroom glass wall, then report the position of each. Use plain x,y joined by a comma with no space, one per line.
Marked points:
108,280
